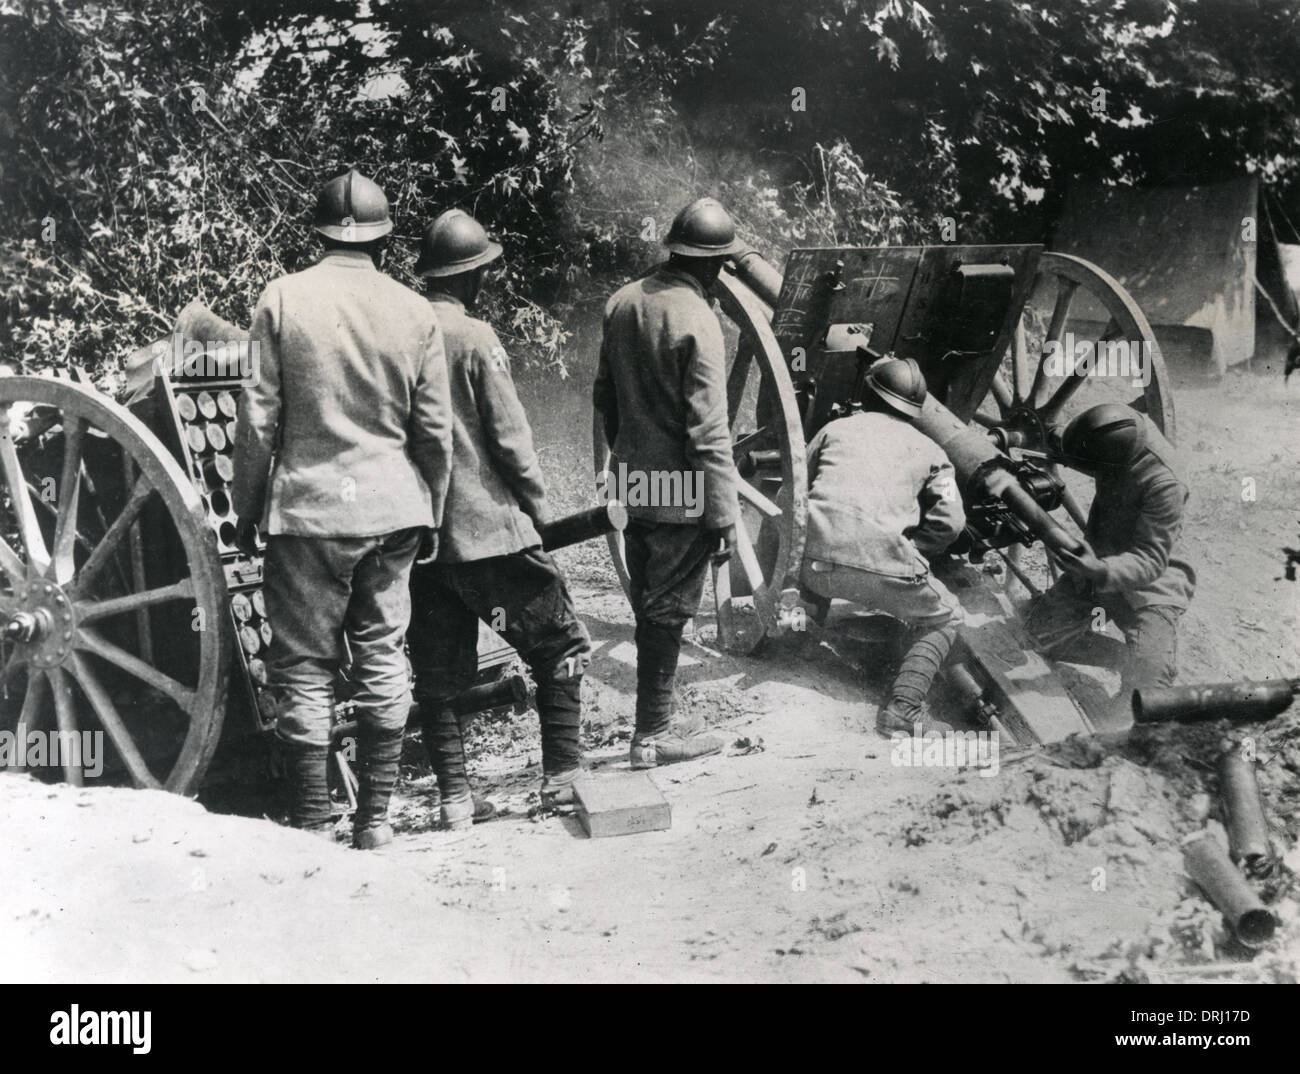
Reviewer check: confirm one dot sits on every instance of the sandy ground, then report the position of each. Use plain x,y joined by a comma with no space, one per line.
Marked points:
801,853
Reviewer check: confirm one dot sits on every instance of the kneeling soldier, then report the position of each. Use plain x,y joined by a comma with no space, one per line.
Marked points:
349,424
661,393
490,565
881,497
1129,568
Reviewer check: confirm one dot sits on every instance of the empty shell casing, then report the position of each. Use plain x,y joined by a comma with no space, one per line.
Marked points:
1207,864
1248,840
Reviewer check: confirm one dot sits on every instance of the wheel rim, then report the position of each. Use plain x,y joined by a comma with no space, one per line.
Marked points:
768,448
89,618
1069,292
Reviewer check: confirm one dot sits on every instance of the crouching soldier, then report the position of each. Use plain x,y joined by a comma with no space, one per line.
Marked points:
352,402
660,391
1128,570
882,497
490,564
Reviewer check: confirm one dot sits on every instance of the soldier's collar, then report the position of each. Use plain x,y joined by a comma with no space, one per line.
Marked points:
351,258
442,296
682,277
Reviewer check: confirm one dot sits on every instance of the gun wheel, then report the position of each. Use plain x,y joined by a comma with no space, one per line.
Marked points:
98,637
768,448
1073,303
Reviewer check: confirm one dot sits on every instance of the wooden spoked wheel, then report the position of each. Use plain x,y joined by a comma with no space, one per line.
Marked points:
768,447
112,601
1073,302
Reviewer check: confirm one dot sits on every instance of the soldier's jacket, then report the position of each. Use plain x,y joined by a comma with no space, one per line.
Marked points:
661,391
880,493
1134,524
496,491
351,399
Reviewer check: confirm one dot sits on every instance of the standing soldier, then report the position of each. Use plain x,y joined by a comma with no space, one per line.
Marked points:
661,393
1129,569
490,566
342,456
881,498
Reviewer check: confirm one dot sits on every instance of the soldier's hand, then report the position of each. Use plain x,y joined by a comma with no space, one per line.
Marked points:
725,543
428,547
246,537
1082,565
1055,449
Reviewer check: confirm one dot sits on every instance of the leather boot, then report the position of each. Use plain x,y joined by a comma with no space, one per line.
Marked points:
652,751
558,788
378,753
906,705
309,796
656,741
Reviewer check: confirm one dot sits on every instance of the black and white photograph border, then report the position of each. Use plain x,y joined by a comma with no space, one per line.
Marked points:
597,490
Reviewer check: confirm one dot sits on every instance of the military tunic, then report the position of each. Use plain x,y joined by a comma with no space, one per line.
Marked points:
342,453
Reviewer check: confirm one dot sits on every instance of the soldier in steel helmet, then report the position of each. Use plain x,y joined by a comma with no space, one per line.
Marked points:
1129,571
490,565
342,457
660,392
881,499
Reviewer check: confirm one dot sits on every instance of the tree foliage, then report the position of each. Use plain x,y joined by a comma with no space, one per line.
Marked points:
155,153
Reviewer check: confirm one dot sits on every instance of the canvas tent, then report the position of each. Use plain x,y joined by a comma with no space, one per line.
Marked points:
1190,257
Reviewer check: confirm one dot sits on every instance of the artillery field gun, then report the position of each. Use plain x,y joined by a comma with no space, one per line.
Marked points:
127,607
996,331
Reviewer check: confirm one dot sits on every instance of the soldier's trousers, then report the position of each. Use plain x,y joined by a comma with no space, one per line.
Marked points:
925,604
320,591
666,563
522,596
918,602
1064,623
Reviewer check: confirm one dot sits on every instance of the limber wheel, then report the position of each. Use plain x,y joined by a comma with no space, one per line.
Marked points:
1036,389
768,448
103,631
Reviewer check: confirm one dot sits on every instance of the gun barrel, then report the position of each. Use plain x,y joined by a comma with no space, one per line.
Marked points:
973,455
758,274
977,463
1224,700
609,517
512,690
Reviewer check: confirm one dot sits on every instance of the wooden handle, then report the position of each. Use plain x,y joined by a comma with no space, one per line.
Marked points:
748,560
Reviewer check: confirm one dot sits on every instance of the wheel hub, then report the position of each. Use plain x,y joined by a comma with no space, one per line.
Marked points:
45,621
1023,429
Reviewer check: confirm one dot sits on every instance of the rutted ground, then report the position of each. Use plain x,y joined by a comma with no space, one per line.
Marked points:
803,853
